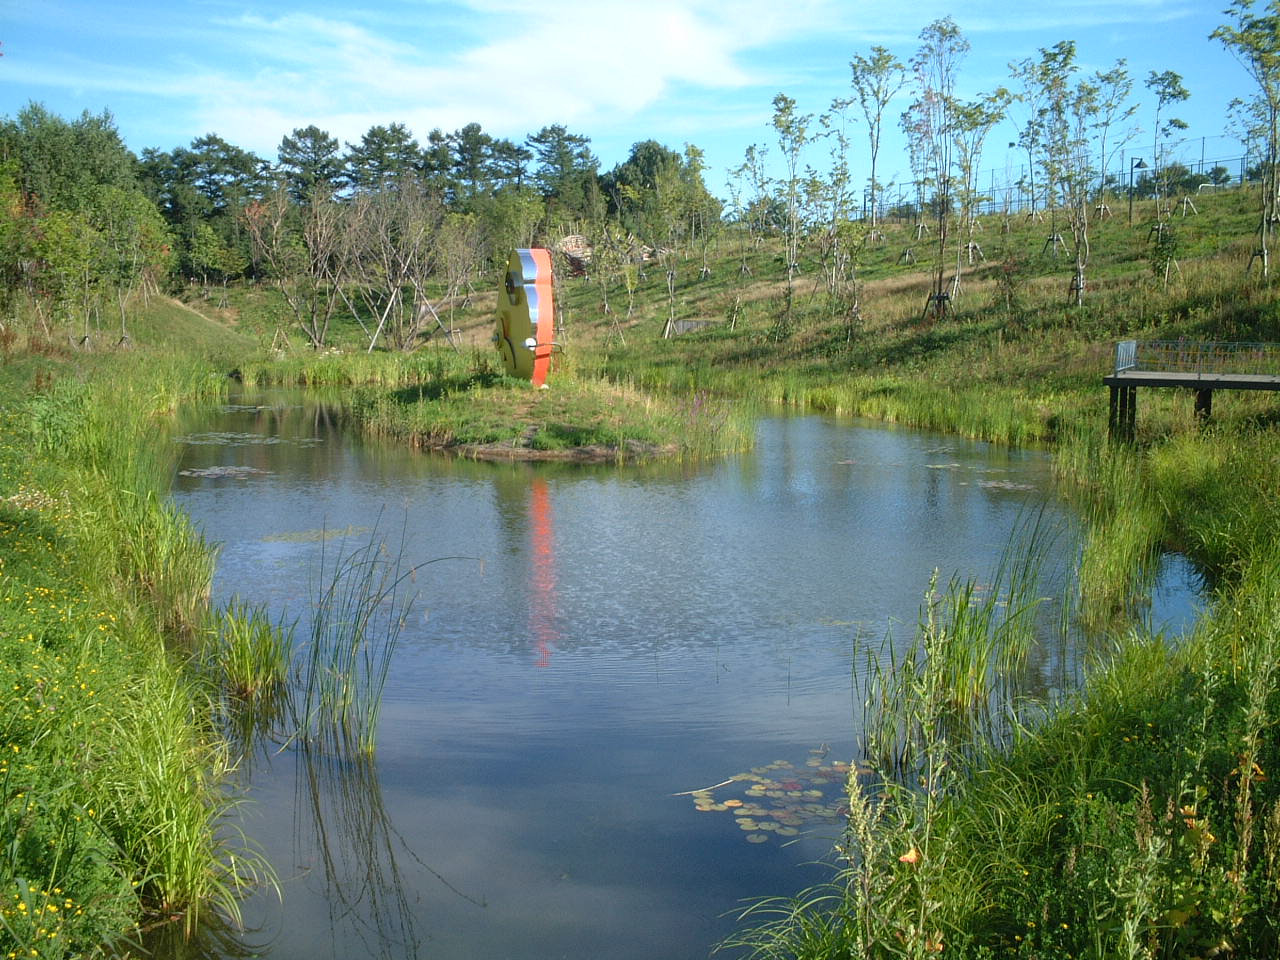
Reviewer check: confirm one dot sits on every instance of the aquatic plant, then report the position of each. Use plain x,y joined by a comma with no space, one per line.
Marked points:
247,653
360,604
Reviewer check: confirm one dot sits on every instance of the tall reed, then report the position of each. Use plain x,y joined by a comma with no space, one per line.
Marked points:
359,609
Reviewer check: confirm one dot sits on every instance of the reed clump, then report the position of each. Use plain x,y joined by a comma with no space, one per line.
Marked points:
247,653
362,599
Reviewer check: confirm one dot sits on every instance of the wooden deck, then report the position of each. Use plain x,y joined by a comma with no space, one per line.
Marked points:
1190,366
1193,381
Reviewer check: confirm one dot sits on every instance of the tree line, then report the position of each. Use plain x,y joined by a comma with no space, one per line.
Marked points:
363,228
386,228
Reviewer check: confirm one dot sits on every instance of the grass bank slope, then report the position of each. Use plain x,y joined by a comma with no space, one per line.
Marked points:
112,773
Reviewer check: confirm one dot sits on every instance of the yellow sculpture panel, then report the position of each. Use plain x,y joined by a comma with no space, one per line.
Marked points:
525,323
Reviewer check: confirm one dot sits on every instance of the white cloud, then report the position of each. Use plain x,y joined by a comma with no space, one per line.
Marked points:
575,63
618,71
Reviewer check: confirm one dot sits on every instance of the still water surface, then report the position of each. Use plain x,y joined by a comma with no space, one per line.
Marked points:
608,638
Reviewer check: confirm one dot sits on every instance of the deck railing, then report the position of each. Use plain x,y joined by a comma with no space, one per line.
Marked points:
1190,356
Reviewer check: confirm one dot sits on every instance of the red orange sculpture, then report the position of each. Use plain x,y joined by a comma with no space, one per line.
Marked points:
525,324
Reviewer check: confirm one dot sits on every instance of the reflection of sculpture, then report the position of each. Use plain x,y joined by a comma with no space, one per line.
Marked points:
526,315
542,613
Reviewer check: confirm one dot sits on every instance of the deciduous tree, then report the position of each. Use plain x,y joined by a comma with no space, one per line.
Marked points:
876,79
933,124
1168,89
390,251
974,122
134,245
298,249
1114,112
792,131
1254,39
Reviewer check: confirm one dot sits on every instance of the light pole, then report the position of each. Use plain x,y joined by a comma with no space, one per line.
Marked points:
1137,164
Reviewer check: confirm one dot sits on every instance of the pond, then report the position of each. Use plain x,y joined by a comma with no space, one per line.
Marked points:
590,645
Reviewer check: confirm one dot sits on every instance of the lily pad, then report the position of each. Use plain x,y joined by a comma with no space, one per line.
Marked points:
215,473
782,797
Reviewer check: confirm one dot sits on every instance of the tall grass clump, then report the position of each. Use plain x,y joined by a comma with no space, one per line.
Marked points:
111,432
1124,526
334,368
166,798
360,605
248,653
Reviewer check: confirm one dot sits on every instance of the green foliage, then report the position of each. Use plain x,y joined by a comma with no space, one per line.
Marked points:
247,653
112,778
63,163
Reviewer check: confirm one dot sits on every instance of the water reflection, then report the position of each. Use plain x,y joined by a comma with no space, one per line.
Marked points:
542,609
342,828
684,622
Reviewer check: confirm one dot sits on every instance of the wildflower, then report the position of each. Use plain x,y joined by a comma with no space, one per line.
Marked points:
911,856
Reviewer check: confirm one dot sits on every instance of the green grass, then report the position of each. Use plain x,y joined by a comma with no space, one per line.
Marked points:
113,784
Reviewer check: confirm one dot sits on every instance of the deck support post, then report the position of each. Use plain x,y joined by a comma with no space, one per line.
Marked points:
1204,405
1122,419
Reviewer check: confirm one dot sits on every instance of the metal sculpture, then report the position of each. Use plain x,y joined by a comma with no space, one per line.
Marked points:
526,315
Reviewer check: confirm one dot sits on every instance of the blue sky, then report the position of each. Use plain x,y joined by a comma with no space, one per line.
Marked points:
677,71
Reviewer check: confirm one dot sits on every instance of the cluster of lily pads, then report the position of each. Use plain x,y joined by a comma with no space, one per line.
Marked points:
780,798
217,473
